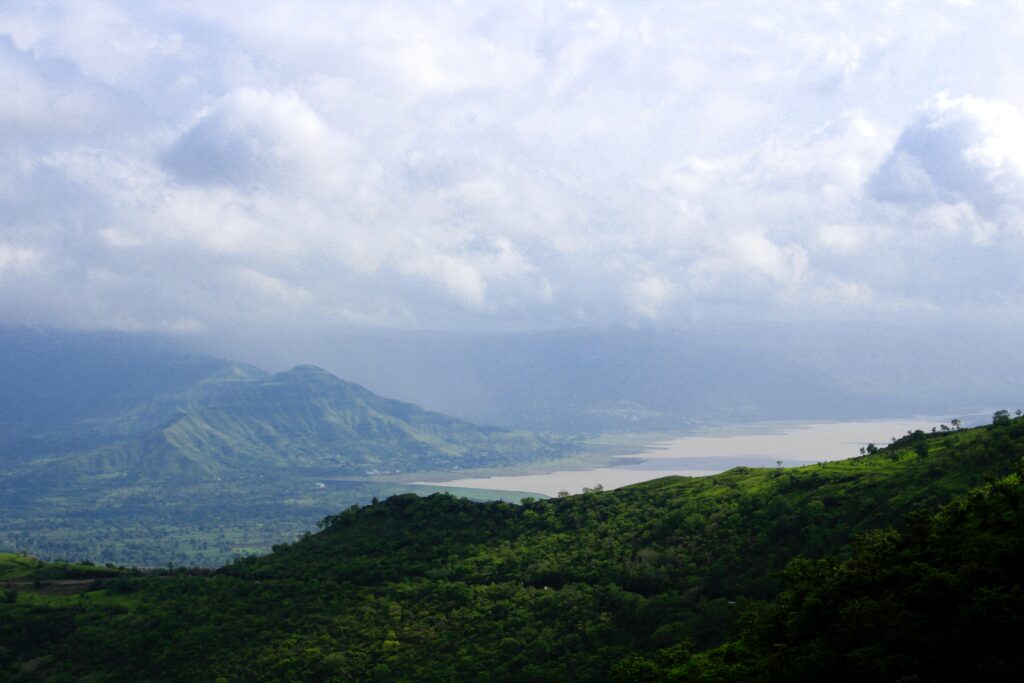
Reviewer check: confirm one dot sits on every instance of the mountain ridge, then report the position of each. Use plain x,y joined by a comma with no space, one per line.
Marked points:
237,421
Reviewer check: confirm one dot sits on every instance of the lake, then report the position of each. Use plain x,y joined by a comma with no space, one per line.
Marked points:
711,451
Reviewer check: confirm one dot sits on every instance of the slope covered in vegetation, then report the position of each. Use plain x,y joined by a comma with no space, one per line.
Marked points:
675,578
246,425
230,464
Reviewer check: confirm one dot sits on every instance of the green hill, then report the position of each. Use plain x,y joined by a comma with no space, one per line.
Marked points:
675,579
246,425
230,465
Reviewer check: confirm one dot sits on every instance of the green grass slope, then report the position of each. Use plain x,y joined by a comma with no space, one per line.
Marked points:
675,579
14,566
238,425
309,418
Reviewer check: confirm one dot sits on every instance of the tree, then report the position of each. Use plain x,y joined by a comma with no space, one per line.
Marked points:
1001,417
956,424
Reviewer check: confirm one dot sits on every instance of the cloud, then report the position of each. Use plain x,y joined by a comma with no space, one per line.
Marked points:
964,152
650,295
17,260
105,40
274,289
257,138
45,100
245,165
756,261
843,239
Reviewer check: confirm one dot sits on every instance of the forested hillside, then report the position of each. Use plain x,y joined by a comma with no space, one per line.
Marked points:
677,578
119,449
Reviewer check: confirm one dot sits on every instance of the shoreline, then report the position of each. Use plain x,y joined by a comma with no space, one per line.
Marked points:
621,460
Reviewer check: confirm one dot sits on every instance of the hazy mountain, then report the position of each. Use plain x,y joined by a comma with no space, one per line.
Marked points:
54,378
63,390
169,454
588,380
239,424
633,379
572,380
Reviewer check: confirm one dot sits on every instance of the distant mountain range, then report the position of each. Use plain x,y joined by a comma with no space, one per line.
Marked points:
127,449
626,379
109,409
131,448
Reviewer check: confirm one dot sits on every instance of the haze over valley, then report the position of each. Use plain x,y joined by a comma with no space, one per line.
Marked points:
596,341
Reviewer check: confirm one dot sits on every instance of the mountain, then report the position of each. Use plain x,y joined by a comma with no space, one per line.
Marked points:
904,564
104,405
133,437
653,378
256,426
592,380
64,390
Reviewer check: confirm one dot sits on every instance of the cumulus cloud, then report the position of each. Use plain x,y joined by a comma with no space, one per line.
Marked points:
17,259
204,167
958,151
44,99
257,138
651,294
841,238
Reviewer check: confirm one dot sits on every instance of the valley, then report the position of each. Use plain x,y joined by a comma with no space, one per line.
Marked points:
496,342
754,574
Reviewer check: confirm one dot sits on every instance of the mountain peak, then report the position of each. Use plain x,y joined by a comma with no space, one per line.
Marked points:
312,370
309,374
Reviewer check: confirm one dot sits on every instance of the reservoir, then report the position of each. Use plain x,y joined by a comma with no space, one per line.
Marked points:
716,450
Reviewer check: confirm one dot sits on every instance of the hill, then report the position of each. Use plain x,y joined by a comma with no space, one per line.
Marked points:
240,425
64,391
674,579
143,454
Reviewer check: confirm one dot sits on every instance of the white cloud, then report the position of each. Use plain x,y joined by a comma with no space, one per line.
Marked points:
104,39
256,137
18,260
479,164
44,101
964,150
752,254
650,295
470,277
841,239
272,288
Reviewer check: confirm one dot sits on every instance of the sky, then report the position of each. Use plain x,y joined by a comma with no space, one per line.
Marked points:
201,167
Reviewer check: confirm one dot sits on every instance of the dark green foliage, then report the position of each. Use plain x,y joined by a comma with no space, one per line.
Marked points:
942,601
674,579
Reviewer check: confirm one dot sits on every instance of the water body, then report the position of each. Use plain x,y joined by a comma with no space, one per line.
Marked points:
712,451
